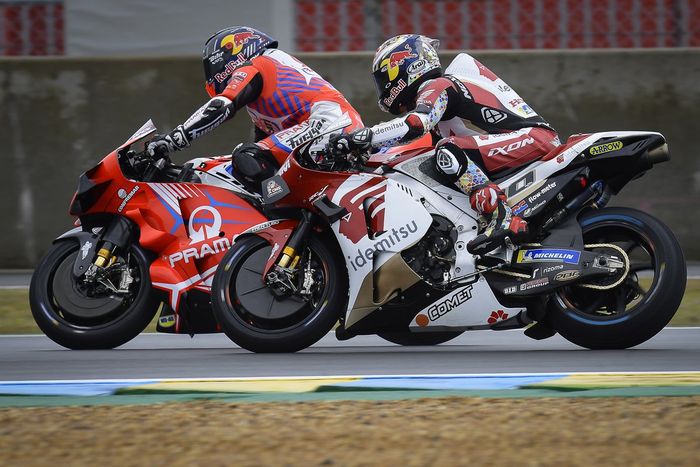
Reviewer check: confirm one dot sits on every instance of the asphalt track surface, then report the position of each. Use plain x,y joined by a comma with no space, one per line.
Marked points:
209,356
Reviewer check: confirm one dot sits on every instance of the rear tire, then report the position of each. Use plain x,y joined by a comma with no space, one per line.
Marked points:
240,298
649,311
72,328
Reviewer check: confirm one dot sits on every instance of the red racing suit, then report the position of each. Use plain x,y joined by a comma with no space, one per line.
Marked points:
288,102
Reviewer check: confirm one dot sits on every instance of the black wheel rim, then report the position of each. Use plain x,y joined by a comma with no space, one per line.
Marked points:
81,306
621,302
254,305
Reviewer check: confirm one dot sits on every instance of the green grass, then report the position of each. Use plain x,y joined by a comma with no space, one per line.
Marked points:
15,317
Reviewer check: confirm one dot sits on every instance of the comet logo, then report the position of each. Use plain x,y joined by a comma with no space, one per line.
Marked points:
235,42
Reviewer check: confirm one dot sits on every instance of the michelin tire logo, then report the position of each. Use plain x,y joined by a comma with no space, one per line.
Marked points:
556,256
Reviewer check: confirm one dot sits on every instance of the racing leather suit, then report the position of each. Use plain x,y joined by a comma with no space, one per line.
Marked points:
289,104
485,127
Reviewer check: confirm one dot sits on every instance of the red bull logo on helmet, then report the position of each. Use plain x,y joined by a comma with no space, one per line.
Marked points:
235,42
392,63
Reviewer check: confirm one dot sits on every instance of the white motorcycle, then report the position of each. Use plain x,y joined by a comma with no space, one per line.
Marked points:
379,245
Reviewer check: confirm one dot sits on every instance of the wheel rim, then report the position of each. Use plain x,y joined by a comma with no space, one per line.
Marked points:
253,304
621,302
82,306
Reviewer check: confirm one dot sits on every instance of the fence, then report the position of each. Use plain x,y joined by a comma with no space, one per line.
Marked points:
325,25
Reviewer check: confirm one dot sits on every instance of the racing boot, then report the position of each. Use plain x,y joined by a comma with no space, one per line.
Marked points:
490,202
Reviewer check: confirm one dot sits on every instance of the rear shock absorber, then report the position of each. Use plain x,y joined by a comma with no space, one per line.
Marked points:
595,191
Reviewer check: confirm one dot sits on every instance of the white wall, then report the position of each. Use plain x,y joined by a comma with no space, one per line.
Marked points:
162,27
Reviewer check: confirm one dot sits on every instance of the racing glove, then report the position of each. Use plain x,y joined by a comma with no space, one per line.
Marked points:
162,145
345,143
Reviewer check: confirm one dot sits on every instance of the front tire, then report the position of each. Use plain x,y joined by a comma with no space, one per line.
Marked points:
255,319
74,319
626,315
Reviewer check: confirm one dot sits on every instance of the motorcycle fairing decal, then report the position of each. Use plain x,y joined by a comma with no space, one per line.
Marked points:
469,306
175,290
405,223
354,226
192,241
277,234
543,169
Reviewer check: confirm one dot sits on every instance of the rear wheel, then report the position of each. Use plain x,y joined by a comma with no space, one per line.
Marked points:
77,315
255,318
622,312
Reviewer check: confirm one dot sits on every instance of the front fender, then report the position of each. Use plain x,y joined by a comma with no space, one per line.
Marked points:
275,232
88,243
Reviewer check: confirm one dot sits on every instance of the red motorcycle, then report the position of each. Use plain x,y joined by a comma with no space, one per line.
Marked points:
148,232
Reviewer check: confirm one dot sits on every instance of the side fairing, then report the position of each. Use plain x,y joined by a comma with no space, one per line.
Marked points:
190,226
383,218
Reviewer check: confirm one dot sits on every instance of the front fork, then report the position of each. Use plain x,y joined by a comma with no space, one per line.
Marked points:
115,238
281,278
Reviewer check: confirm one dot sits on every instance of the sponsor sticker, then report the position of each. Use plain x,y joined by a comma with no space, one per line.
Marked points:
456,299
416,66
510,290
607,147
534,284
520,207
549,255
496,316
126,198
565,276
543,190
273,188
549,269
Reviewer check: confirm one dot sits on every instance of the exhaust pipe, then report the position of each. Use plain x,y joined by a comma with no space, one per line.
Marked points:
658,155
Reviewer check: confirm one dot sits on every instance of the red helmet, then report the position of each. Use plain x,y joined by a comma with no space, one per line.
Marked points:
227,49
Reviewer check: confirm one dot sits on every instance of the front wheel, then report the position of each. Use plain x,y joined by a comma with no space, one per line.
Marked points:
77,315
622,312
258,320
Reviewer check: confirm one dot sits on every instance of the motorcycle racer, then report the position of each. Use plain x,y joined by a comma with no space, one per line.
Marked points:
288,102
485,126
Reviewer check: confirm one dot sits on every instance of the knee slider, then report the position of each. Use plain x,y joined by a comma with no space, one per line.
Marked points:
252,162
450,161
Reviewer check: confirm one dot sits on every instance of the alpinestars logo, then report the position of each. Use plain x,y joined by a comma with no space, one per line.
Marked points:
440,309
492,116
